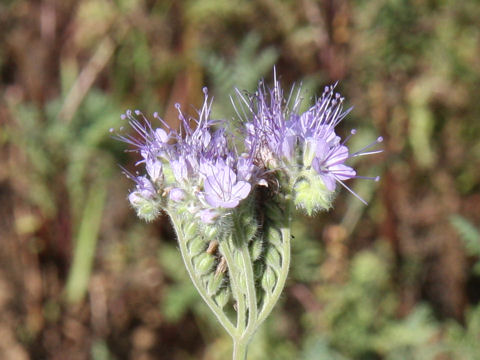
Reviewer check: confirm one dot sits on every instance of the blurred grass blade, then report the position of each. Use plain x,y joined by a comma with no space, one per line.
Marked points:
86,243
468,233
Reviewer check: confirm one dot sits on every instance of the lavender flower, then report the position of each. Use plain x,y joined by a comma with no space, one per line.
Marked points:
223,190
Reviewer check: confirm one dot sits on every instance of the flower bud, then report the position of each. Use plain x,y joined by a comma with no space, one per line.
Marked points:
308,152
196,246
274,236
214,282
274,211
256,248
269,280
154,169
273,258
190,230
204,263
311,194
176,194
168,174
222,297
211,232
146,208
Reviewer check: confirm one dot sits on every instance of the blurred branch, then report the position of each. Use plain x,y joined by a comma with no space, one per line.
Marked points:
88,75
86,244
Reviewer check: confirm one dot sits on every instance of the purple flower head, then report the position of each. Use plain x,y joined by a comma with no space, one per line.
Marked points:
270,135
280,137
194,160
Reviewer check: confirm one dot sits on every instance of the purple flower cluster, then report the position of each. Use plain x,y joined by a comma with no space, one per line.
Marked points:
198,168
195,167
281,137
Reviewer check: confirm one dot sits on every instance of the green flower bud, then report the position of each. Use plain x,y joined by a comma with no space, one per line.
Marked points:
196,246
222,297
258,269
274,211
190,230
274,236
250,230
269,280
147,209
273,258
214,282
204,263
311,194
211,232
256,248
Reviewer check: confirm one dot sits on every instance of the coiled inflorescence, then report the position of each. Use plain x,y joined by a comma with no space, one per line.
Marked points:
197,166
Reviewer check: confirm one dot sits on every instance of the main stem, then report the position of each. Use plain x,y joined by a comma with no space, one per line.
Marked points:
240,349
237,294
240,265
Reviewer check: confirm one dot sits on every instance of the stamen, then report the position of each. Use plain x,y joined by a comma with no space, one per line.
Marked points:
361,151
374,178
352,132
351,191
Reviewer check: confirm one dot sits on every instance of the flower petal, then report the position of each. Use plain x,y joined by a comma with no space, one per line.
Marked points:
329,181
241,190
342,172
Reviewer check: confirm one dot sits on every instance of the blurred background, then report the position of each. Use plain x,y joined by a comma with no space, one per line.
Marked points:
82,278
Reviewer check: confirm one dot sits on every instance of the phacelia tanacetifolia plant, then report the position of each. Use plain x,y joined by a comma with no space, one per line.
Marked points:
231,206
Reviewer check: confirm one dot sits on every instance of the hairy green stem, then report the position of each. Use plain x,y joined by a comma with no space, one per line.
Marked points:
240,349
222,318
251,292
236,291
